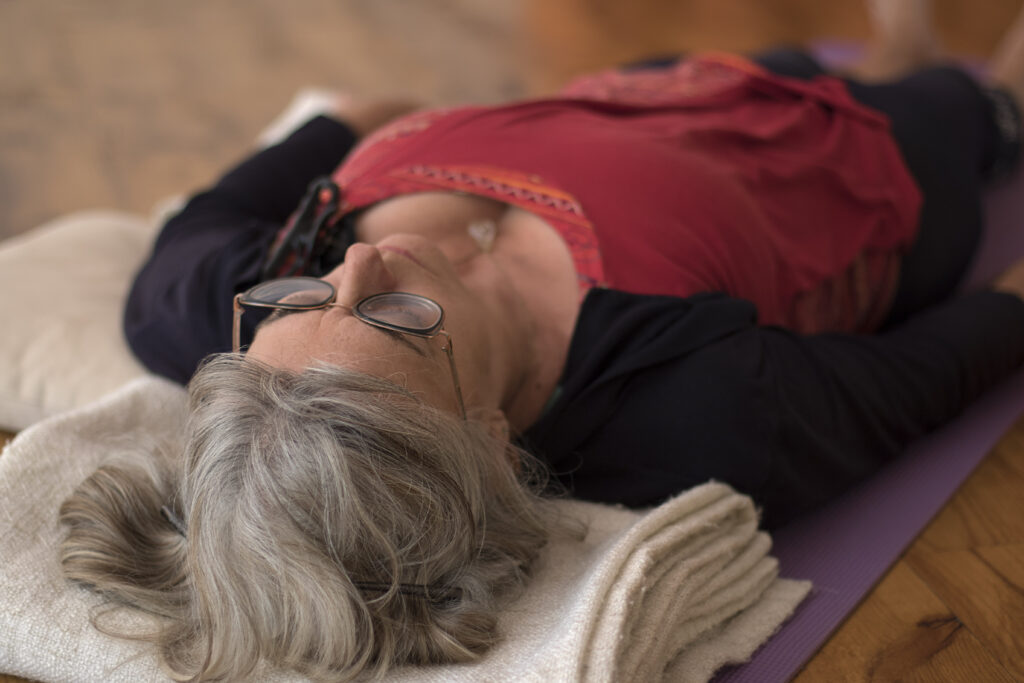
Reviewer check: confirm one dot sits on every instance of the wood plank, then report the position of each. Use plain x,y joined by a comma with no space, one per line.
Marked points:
972,555
989,508
904,632
985,589
123,104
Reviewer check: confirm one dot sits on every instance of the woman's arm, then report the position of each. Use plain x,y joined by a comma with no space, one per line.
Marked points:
846,404
661,396
179,308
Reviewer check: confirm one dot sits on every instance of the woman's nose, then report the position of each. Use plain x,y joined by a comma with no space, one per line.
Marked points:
362,273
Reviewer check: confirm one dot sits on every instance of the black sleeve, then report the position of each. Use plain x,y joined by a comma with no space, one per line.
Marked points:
847,404
793,420
179,308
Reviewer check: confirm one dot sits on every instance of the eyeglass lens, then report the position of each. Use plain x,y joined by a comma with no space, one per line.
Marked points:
298,292
401,310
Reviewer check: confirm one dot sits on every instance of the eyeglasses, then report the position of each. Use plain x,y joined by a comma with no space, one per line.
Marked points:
400,312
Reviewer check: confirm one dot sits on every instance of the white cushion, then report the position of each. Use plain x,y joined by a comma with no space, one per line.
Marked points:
63,288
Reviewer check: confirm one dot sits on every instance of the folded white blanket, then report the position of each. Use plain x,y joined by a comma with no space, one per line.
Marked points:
673,593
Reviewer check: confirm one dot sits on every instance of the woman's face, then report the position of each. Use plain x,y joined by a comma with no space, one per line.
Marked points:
399,263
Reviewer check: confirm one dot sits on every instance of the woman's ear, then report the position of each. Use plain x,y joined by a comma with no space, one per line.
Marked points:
497,426
494,420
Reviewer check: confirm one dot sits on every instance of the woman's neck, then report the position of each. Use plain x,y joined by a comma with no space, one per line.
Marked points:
528,271
539,270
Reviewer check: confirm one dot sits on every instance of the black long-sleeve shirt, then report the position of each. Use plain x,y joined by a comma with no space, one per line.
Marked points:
659,393
179,308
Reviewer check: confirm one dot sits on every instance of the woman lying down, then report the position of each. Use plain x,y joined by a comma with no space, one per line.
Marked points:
711,268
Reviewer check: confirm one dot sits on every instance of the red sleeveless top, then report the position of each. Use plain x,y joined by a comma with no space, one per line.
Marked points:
714,175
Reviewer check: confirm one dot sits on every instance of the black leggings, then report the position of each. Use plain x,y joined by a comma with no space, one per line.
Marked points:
945,126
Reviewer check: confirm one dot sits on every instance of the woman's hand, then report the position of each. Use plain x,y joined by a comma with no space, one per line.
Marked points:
1012,280
364,115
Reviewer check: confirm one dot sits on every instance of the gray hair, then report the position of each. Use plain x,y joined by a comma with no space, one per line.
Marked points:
298,490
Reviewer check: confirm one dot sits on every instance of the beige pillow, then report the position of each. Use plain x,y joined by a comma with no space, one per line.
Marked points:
64,284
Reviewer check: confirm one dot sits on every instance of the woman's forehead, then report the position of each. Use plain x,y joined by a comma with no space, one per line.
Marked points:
300,339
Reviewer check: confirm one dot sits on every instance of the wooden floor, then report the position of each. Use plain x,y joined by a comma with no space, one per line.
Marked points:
116,103
952,608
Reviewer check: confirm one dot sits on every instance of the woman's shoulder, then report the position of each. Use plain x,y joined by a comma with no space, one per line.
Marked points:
644,348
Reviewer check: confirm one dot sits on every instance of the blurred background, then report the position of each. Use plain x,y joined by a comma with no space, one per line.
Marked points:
119,103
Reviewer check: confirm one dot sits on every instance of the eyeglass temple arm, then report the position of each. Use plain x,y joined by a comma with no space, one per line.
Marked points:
237,325
455,373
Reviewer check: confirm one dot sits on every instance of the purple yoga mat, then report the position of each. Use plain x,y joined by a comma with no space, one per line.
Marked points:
846,547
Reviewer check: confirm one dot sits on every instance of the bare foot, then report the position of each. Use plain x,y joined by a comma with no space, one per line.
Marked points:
903,41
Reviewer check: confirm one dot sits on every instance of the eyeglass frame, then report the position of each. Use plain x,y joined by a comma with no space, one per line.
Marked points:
433,331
